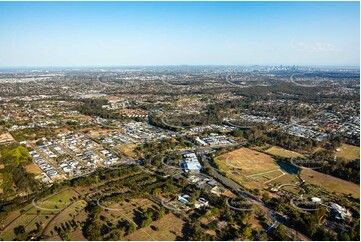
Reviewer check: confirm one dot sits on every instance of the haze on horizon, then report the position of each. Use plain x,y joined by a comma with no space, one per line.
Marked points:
179,33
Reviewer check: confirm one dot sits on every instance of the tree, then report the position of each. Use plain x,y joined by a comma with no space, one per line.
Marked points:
157,191
280,232
237,133
19,230
161,212
93,231
343,236
265,197
247,232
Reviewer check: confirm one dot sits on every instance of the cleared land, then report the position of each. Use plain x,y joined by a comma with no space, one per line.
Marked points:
169,228
33,168
349,152
249,161
252,169
127,149
278,151
330,183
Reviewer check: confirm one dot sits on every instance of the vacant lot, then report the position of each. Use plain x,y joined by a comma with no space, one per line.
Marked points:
278,151
247,160
330,183
127,149
169,228
33,168
349,152
252,169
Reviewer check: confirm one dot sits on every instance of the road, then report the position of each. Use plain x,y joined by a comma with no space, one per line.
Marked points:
298,84
272,215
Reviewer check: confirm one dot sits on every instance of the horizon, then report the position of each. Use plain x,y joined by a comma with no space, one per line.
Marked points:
114,34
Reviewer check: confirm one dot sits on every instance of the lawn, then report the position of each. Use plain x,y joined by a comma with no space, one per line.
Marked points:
57,201
278,151
349,152
330,183
169,228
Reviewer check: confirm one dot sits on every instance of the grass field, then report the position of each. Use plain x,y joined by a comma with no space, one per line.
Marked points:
127,210
349,152
252,169
278,151
66,215
33,168
169,228
330,183
57,201
127,149
8,233
249,161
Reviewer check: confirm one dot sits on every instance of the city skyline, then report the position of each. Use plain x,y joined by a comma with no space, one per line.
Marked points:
98,34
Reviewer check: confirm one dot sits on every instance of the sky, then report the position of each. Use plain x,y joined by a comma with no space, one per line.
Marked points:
179,33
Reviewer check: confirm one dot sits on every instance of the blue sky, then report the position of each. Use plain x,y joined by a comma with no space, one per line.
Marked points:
179,33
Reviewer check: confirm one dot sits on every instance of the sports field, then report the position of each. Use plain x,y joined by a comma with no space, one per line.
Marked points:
330,183
278,151
348,152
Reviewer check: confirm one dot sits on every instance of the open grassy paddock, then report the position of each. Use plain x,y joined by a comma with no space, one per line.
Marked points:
69,213
278,151
330,183
57,201
33,168
169,228
127,149
348,152
253,169
127,210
